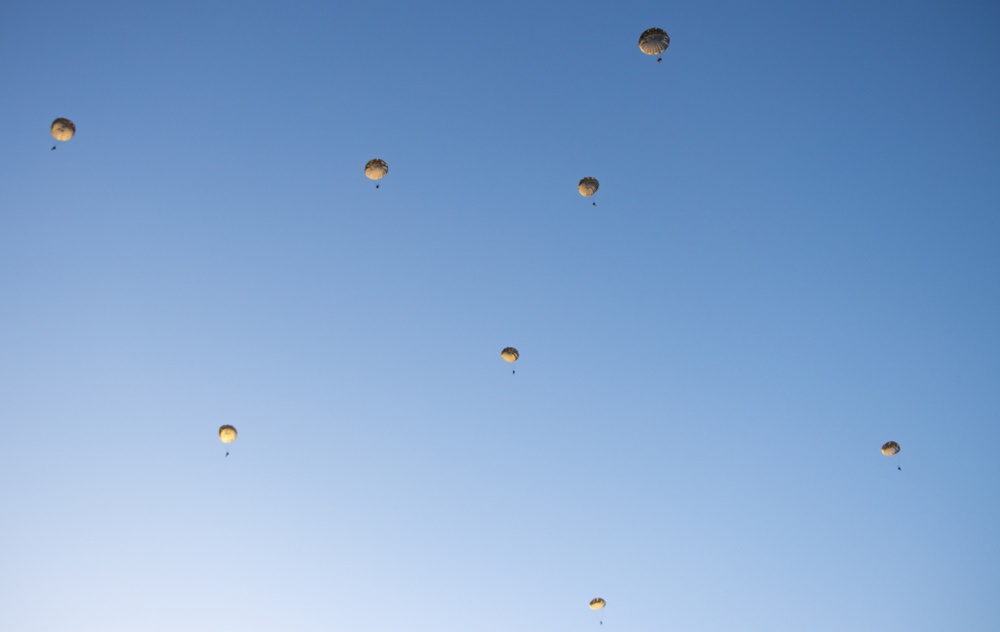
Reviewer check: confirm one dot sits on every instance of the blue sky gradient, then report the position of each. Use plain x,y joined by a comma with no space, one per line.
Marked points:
793,259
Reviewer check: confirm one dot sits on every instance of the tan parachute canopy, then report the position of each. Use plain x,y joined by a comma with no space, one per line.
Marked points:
588,187
890,448
63,129
227,434
654,41
376,169
510,354
597,603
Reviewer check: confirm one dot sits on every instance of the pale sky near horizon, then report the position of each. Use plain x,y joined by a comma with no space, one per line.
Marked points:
793,258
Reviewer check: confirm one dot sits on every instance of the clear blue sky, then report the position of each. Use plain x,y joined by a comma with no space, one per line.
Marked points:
794,257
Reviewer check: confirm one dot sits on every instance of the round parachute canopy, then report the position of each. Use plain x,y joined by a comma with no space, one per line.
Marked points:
376,169
227,434
654,41
597,604
891,448
510,354
63,129
588,186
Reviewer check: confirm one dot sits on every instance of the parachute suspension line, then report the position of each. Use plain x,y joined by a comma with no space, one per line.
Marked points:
227,434
510,355
891,449
598,604
588,187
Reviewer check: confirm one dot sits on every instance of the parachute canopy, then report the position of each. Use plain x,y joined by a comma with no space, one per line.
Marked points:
510,354
890,448
63,129
376,169
597,603
654,41
227,434
588,186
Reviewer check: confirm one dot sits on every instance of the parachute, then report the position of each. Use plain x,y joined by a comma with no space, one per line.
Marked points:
510,354
227,434
63,129
588,187
654,41
890,448
597,603
376,169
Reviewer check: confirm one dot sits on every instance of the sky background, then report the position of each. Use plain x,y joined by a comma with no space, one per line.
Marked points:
793,259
